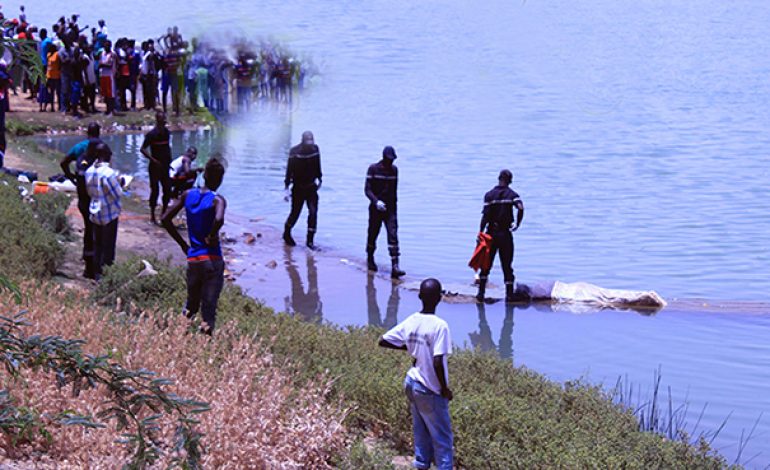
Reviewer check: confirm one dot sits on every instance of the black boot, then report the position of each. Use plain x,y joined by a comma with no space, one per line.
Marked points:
89,272
287,237
309,242
370,264
396,271
510,294
480,296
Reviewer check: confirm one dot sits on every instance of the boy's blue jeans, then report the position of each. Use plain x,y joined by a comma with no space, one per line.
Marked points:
433,438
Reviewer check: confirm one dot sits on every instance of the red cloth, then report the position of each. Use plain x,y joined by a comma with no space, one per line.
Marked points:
482,255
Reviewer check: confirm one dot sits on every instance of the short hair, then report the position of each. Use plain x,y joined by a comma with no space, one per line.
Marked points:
214,168
103,151
506,175
93,129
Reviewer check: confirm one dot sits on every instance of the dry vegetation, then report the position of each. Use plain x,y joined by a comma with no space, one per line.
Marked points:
258,418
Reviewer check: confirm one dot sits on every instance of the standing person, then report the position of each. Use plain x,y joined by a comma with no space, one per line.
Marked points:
427,339
42,48
89,80
380,188
107,65
134,64
104,188
123,78
158,141
205,210
83,155
303,169
67,66
5,84
76,81
149,75
53,78
497,220
170,79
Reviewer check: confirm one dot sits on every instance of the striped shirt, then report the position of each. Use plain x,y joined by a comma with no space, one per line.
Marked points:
103,186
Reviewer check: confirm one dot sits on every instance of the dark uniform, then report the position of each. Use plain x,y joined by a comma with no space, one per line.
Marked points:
84,156
302,169
381,185
498,219
160,148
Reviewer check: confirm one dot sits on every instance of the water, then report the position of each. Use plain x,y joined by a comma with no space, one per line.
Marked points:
637,133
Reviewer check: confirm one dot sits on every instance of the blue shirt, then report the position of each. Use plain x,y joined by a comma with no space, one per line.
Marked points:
199,207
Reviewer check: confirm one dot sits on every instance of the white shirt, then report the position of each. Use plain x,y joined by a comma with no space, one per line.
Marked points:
425,336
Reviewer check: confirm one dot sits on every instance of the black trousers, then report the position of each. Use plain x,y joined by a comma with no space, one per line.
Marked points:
159,179
300,197
376,220
105,239
124,85
205,280
88,227
502,244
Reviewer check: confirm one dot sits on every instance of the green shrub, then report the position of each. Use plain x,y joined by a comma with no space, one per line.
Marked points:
360,456
504,417
30,248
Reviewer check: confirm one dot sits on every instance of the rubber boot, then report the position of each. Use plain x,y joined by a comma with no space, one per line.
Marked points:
396,271
287,237
510,295
370,264
480,296
309,243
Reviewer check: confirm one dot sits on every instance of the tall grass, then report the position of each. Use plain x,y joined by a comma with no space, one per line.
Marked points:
259,417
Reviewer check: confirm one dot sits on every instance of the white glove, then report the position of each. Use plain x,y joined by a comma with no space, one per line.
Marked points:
381,206
287,194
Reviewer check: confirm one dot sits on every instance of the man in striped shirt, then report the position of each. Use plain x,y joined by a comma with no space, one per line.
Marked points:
497,220
104,188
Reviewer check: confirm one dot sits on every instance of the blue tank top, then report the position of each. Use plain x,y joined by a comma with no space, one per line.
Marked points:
200,218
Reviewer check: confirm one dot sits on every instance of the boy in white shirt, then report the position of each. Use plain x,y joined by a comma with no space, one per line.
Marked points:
427,339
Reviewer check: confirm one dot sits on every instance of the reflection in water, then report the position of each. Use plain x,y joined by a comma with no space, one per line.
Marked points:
391,313
482,340
305,304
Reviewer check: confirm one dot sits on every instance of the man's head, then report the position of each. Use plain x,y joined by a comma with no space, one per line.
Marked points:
505,178
192,152
93,130
307,138
388,155
160,119
101,23
107,46
43,33
430,294
103,152
214,173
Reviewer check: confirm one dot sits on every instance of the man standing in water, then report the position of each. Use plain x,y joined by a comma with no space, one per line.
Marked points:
427,339
497,220
158,141
302,171
83,155
380,188
205,211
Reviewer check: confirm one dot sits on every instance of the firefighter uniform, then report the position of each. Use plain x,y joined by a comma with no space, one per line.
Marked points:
381,189
302,171
498,218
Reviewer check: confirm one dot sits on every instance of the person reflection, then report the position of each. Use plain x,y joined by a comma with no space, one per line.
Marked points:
373,309
307,305
482,340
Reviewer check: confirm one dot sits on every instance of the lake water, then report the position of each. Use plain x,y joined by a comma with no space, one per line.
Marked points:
638,133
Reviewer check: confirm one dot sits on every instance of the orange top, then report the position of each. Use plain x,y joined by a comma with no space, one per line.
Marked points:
54,66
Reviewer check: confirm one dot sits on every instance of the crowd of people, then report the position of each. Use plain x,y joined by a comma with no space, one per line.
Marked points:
80,64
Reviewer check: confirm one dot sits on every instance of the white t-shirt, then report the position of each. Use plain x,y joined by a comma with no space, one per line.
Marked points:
425,336
175,166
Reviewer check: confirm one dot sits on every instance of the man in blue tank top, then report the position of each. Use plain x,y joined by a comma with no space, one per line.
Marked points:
205,210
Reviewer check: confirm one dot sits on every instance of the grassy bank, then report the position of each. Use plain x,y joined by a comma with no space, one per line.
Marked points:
504,417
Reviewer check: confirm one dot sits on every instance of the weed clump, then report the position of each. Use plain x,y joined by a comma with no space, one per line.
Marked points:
30,232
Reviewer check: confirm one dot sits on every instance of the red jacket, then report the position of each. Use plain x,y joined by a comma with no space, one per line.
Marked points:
482,258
